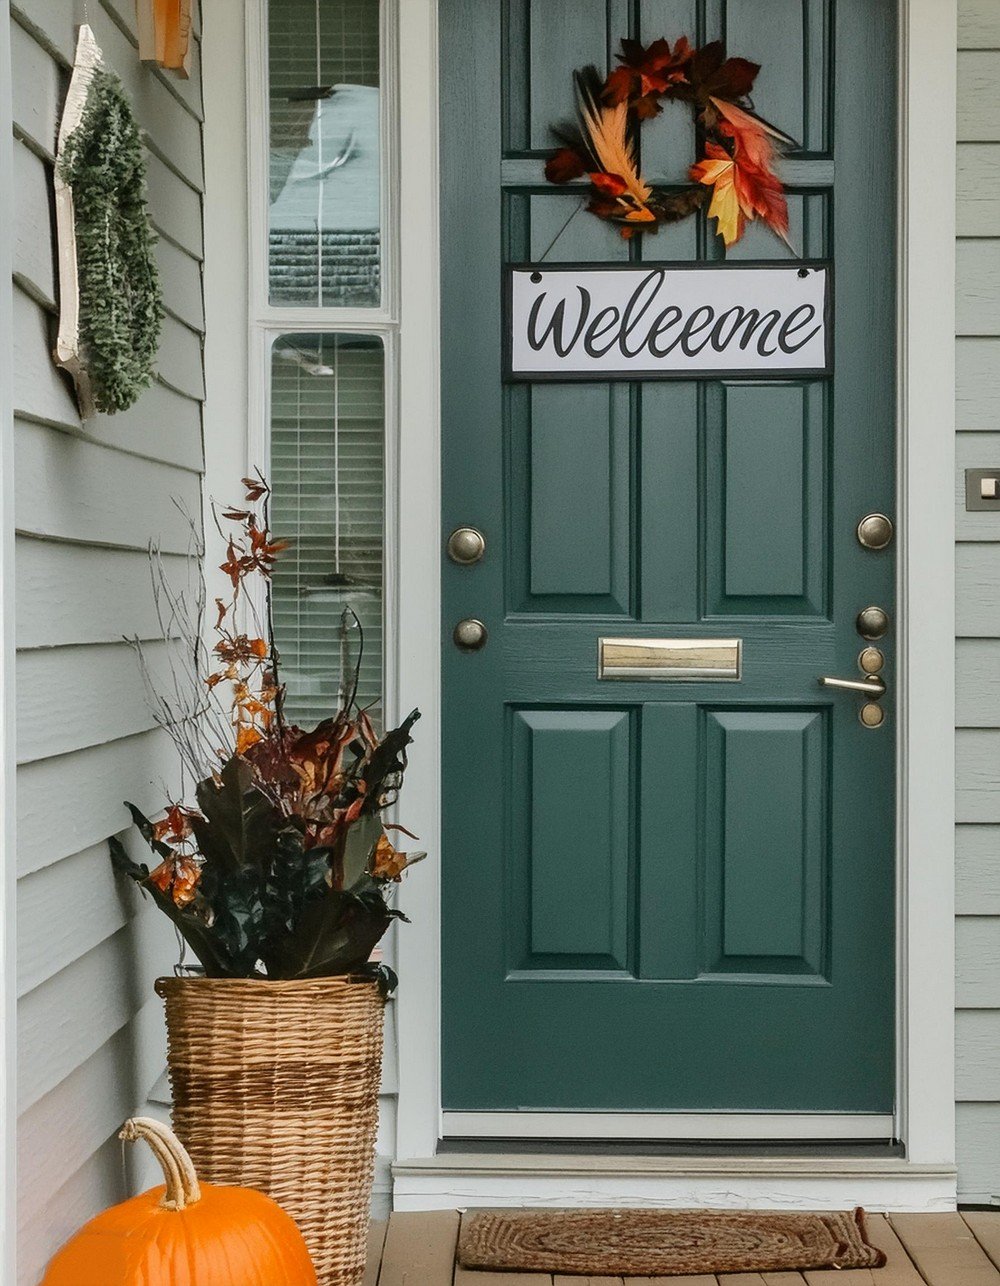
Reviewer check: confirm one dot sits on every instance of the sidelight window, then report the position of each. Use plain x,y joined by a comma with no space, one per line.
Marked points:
321,306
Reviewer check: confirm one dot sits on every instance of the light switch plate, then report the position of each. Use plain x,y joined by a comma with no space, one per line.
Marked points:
974,498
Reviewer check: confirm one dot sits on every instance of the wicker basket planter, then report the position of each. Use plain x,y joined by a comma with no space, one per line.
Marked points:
275,1086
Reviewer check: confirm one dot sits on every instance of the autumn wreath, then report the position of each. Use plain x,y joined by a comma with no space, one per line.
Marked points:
737,147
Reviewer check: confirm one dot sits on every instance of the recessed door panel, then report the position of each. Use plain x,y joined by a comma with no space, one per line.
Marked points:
766,831
570,844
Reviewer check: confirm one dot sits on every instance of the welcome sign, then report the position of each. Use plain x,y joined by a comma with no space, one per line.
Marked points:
663,321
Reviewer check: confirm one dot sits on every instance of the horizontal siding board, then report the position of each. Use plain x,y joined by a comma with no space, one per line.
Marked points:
33,236
977,379
978,1139
977,590
977,684
977,1042
161,425
979,96
977,270
63,1022
37,91
69,698
69,593
174,205
71,489
179,358
40,391
977,762
68,909
89,786
977,962
975,451
978,182
58,1134
977,870
180,276
978,24
52,23
99,1183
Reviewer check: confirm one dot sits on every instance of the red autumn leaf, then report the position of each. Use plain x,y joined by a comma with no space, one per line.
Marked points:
608,184
760,193
255,487
619,86
604,209
565,166
733,79
223,610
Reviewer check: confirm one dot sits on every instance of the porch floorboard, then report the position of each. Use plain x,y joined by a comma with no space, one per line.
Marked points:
418,1249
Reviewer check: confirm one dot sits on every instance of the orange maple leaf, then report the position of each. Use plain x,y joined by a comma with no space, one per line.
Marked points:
718,171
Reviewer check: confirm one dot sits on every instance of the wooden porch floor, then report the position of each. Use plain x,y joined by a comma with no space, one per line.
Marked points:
923,1250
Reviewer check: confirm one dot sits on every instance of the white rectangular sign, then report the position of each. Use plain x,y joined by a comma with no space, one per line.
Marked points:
651,321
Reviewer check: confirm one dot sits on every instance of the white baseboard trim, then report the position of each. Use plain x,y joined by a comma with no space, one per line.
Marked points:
759,1183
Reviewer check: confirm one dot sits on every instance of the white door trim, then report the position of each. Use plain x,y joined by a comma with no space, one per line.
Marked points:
926,571
926,582
8,847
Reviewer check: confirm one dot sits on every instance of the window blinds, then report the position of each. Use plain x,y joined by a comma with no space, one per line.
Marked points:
327,445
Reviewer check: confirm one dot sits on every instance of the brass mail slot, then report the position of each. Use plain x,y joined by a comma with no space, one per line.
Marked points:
692,659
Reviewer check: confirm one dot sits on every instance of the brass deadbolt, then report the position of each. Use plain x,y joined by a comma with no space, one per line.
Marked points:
871,714
871,660
873,622
875,531
470,635
466,545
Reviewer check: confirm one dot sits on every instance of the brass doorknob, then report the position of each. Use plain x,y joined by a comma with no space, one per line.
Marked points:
470,635
466,545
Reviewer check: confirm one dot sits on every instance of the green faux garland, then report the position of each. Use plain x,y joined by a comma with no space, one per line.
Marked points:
121,304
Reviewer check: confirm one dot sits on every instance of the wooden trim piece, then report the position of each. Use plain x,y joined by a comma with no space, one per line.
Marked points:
67,355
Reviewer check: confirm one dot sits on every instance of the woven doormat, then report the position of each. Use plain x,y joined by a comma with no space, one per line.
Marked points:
663,1243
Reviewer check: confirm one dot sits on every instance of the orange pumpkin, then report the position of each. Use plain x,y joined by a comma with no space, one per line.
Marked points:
185,1233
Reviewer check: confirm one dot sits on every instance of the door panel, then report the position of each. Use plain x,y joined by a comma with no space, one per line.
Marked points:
666,896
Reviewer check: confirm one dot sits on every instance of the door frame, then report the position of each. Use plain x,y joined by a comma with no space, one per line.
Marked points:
925,450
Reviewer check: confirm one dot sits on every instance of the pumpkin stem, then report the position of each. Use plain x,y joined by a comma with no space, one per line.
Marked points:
178,1168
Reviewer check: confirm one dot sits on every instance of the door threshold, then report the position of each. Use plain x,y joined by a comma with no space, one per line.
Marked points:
736,1180
811,1148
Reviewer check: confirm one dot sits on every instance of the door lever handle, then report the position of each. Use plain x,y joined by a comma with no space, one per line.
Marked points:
871,686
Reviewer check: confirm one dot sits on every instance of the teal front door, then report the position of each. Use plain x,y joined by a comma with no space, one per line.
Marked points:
667,896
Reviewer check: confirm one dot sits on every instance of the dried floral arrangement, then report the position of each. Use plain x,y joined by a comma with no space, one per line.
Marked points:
283,867
737,147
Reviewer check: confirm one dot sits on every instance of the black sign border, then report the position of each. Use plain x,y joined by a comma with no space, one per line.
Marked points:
510,376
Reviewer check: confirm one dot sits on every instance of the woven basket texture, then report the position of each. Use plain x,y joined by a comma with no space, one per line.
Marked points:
275,1087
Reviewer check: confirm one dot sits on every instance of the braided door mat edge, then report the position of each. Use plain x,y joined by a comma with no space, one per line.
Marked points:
664,1243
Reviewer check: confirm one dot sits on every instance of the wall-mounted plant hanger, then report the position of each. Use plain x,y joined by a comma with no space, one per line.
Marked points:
165,33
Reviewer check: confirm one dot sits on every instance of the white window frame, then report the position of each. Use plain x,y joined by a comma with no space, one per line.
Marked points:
268,321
